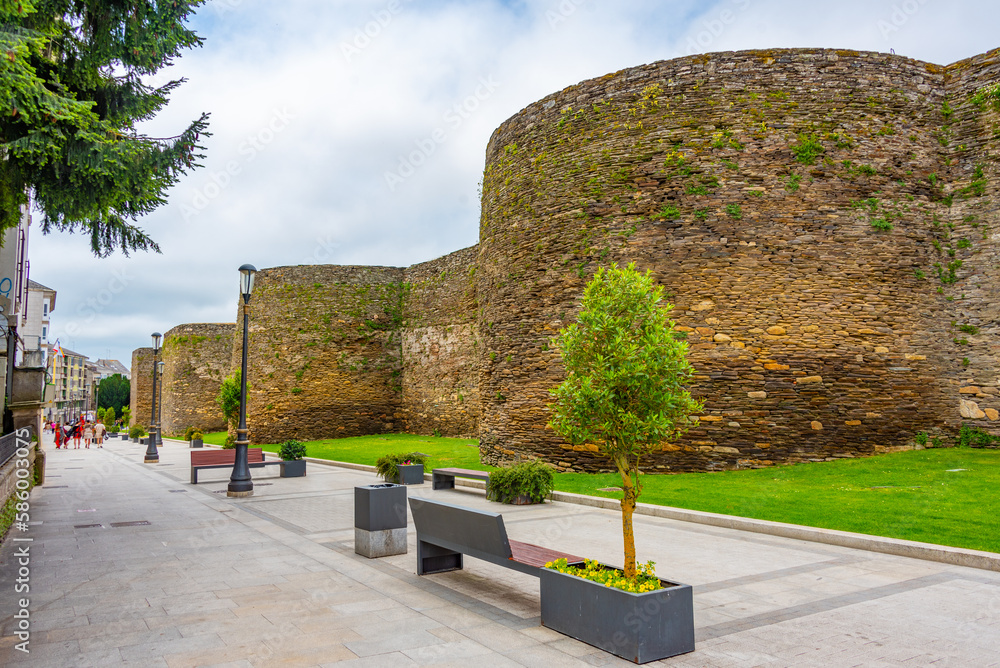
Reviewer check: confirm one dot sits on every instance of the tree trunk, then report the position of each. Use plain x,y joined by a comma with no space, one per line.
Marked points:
628,507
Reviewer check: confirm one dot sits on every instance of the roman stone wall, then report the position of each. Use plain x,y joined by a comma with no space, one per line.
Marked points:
141,387
324,352
814,216
197,357
440,382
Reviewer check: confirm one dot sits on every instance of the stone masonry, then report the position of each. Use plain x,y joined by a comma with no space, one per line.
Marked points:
824,221
141,387
196,360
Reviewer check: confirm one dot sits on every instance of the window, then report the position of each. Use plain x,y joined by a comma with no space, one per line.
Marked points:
45,308
45,332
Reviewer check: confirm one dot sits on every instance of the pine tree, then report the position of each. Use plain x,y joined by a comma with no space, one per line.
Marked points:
71,93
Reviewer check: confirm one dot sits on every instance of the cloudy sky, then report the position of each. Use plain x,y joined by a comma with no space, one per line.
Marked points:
354,132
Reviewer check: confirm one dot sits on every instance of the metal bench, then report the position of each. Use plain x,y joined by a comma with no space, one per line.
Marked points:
221,459
446,532
445,478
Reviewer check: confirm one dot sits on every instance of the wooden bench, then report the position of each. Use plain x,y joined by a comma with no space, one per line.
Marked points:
221,459
446,532
445,478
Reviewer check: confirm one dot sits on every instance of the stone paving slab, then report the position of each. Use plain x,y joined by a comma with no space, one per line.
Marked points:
273,580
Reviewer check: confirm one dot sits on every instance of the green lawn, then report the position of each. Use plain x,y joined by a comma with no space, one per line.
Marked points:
916,495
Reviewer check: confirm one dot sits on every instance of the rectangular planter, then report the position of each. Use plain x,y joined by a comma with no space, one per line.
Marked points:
410,474
195,443
637,627
293,468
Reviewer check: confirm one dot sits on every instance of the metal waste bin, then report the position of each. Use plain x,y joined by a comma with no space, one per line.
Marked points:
380,520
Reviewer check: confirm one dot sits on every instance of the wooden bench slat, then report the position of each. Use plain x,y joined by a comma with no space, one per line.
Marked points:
463,472
535,555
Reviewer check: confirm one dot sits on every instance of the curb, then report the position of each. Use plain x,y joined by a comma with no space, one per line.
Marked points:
954,556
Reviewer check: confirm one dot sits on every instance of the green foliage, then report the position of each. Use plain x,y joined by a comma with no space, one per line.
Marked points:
99,414
973,437
987,95
594,571
291,450
734,211
109,416
192,433
624,390
881,224
228,399
126,415
532,479
387,466
136,432
969,329
72,93
113,392
668,212
792,182
808,149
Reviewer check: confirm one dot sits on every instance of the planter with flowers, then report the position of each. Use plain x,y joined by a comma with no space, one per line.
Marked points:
402,468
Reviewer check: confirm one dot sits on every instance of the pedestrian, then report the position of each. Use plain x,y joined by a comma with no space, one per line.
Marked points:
59,436
99,434
88,434
77,433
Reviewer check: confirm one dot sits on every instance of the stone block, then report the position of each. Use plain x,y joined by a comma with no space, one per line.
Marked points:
384,543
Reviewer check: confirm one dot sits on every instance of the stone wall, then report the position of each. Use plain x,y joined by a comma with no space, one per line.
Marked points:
141,383
824,222
324,352
197,357
440,388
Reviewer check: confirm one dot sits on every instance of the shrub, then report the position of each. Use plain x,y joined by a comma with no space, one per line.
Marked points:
230,442
291,450
387,466
136,432
644,580
196,434
973,437
527,479
188,433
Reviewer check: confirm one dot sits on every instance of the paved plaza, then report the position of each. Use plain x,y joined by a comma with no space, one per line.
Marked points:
130,564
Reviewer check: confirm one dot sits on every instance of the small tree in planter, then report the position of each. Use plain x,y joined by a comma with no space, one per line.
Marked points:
388,467
624,392
527,482
292,464
136,432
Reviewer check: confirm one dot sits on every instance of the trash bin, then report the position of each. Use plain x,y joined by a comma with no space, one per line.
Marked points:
380,520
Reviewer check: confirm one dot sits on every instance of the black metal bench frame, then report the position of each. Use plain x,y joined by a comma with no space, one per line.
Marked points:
445,478
446,532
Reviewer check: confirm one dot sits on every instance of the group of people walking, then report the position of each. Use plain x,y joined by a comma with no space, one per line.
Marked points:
90,432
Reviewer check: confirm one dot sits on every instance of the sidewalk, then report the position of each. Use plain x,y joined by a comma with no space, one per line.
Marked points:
132,565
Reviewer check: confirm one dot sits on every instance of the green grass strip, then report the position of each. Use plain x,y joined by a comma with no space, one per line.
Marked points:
945,496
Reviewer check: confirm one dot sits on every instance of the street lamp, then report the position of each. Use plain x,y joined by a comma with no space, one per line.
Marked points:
240,483
152,456
159,411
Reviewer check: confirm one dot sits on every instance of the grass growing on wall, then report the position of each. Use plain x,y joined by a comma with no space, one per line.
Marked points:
945,496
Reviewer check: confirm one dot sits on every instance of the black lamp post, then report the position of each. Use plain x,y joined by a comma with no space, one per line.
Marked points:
240,483
152,456
159,411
